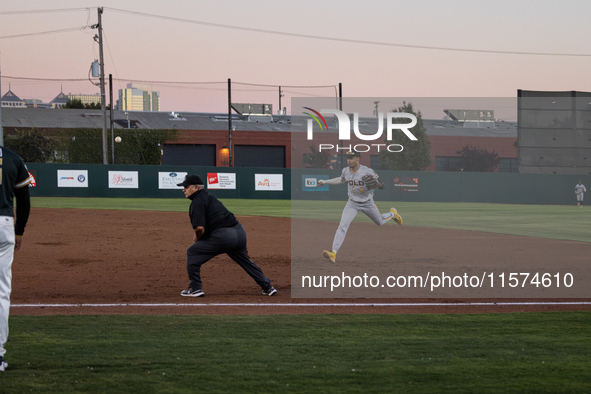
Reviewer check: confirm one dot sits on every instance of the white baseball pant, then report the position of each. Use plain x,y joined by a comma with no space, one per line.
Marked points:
369,208
6,255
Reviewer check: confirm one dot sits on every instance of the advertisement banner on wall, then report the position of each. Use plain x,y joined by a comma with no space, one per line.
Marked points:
123,180
310,183
268,182
169,180
218,180
406,184
72,178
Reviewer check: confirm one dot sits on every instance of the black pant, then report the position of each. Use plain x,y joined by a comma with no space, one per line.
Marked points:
229,240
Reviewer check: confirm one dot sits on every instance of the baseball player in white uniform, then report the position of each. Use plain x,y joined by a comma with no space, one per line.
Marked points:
579,191
14,181
361,180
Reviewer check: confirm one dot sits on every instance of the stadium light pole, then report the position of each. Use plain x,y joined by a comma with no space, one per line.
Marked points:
111,118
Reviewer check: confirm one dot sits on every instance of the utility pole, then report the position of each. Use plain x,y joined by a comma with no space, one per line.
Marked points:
102,81
280,95
230,117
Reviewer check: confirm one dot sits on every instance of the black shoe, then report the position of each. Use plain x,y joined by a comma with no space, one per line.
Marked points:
192,293
3,364
270,291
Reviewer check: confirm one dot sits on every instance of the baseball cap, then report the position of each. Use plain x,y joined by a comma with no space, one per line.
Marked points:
191,179
352,153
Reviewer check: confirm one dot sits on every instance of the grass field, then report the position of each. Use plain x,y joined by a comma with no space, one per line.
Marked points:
545,221
437,353
532,352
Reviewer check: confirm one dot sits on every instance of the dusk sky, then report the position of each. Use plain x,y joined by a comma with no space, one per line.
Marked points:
161,51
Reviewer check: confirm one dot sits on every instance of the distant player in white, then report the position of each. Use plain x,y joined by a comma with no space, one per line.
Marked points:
360,199
580,190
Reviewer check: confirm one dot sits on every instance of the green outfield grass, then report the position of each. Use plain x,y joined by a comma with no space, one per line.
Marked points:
276,208
533,352
546,221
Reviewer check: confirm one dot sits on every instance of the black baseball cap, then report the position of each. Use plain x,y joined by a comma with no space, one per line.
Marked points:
353,153
191,179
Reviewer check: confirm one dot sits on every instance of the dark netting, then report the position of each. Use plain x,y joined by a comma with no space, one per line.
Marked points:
554,132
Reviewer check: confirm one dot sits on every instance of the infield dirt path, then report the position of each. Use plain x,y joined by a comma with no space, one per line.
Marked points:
72,256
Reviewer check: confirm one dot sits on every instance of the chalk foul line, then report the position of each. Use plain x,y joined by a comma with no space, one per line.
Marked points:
299,304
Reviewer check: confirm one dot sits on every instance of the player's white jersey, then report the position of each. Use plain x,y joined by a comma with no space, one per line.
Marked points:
357,190
580,188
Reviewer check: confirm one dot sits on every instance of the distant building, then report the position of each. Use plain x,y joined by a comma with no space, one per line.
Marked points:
138,97
59,101
12,100
86,98
35,103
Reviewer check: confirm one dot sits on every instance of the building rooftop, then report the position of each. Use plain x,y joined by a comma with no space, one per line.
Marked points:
84,118
9,96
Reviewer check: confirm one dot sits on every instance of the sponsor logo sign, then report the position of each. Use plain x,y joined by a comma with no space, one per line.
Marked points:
219,180
268,182
123,180
72,178
310,183
406,184
169,180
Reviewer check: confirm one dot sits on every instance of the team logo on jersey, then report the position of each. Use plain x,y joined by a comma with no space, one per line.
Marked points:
353,182
33,182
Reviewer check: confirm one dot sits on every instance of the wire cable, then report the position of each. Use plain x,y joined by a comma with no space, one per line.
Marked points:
45,11
346,40
45,32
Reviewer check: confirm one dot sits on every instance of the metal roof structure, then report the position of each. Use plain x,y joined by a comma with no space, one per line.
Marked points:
60,99
84,118
10,96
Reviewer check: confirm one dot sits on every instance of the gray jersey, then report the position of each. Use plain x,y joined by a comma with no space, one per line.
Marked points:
357,190
580,188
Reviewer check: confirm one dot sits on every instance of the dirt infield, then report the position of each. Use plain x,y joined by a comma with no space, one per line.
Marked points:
116,258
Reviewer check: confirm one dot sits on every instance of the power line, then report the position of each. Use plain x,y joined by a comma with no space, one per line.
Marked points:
44,11
45,32
335,39
48,79
282,33
172,82
286,86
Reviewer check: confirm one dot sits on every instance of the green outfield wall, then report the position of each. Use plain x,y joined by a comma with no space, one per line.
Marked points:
95,180
438,186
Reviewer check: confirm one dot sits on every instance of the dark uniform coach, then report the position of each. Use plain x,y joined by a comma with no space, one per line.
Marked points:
216,231
15,183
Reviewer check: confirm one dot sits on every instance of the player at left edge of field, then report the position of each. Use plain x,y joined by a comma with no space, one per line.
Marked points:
15,180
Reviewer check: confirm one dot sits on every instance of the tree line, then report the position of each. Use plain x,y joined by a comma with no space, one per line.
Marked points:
137,146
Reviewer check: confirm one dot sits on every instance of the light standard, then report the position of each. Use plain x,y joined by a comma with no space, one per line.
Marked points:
231,130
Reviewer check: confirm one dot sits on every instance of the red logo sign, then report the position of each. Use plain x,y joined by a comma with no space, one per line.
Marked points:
212,178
